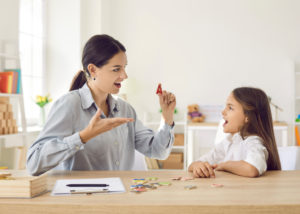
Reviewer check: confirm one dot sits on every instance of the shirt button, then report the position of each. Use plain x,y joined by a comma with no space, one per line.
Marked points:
116,143
117,163
77,147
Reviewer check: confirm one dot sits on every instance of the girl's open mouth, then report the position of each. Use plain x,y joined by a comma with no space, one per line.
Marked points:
225,123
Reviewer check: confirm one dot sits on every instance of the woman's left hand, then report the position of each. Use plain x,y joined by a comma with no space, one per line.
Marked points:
167,103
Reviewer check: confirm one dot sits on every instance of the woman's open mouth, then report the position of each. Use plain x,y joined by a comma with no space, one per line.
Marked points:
118,85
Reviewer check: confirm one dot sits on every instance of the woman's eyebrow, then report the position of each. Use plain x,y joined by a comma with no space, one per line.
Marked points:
117,66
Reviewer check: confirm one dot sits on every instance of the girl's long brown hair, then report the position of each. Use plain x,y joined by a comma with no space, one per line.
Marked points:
257,108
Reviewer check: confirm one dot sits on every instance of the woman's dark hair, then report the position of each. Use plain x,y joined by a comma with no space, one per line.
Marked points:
98,50
257,108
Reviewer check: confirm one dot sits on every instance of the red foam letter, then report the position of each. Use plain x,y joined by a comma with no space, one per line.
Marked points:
159,90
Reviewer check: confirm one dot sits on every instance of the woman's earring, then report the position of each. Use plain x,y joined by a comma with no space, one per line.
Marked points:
94,78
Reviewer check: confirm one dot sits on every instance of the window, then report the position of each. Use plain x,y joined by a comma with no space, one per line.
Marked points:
32,55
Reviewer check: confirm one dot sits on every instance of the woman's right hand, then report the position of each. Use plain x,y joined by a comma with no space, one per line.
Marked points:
202,170
97,125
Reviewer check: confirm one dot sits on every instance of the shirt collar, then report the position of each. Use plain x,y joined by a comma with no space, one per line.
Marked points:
87,99
113,104
235,137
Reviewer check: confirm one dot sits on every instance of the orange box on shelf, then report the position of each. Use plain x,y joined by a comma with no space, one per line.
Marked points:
174,161
4,130
172,165
3,107
15,129
13,122
9,107
8,115
4,100
10,130
175,157
8,123
179,140
2,123
5,115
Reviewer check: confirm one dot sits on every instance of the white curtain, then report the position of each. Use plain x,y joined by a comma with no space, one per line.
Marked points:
32,39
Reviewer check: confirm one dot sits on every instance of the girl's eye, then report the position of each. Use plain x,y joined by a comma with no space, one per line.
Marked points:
116,70
230,108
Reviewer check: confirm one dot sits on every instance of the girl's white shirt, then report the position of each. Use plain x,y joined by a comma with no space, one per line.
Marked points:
234,148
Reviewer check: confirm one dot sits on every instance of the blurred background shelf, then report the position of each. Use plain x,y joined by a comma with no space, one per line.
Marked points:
177,158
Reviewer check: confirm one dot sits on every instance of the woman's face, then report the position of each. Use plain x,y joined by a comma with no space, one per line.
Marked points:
234,116
110,76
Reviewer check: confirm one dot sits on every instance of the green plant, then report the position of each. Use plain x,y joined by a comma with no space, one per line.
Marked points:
41,101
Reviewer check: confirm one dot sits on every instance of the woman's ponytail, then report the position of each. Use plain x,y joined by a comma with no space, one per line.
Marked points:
78,80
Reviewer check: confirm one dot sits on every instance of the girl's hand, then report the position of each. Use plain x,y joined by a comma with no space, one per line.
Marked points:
237,167
167,103
219,167
201,170
97,125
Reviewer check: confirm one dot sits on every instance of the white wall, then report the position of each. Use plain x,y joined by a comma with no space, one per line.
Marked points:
70,23
90,19
63,44
201,50
198,49
9,31
9,20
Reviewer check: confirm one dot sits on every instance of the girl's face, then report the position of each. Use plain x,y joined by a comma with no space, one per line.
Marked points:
234,116
110,76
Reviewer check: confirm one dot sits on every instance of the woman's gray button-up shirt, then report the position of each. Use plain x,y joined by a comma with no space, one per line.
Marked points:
59,142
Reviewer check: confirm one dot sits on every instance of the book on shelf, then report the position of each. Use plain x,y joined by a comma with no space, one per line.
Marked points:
18,71
6,81
10,81
297,135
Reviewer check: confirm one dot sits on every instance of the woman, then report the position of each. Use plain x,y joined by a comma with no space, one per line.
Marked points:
89,129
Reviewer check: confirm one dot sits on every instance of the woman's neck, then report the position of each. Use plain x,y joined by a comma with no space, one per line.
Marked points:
100,98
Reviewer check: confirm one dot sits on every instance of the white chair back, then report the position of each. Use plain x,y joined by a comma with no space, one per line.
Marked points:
139,162
289,157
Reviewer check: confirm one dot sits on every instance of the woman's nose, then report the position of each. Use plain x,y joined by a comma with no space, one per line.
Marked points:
124,75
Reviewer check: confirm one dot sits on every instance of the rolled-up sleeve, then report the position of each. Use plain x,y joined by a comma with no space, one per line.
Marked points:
57,142
154,144
257,156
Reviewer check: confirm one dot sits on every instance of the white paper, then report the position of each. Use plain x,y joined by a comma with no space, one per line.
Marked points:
61,188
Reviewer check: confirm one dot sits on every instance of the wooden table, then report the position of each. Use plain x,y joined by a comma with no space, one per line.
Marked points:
275,192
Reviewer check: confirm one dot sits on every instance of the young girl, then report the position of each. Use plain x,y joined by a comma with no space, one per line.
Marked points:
250,149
